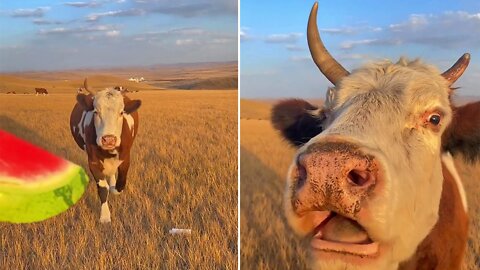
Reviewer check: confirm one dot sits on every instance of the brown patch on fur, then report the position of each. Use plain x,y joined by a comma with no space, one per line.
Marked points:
294,118
463,134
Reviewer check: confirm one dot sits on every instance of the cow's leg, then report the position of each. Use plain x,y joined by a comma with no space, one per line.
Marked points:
122,175
102,187
113,182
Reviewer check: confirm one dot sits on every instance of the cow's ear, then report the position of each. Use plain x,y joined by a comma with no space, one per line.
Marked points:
132,105
297,120
86,101
463,134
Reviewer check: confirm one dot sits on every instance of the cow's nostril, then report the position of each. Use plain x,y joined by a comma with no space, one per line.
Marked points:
108,139
359,178
301,174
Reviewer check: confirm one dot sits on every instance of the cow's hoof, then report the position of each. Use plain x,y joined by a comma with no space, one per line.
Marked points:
114,191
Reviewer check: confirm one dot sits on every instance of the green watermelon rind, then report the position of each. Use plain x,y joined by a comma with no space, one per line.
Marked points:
24,205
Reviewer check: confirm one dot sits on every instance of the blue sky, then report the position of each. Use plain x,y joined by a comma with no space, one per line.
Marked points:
275,61
49,35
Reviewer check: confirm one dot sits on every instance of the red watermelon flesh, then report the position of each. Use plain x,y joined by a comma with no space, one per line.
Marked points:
21,160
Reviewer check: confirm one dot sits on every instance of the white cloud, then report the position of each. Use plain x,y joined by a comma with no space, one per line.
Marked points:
283,38
294,48
116,13
244,35
183,42
113,33
34,12
91,4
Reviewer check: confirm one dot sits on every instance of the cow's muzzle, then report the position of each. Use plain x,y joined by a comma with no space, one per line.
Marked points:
332,181
334,176
109,141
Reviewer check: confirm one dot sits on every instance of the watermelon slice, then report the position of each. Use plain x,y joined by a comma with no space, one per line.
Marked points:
35,184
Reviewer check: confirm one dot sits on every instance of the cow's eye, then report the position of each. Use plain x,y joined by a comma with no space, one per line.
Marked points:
434,119
121,113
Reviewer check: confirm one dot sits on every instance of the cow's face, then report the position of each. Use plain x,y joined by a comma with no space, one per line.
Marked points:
368,184
365,185
109,107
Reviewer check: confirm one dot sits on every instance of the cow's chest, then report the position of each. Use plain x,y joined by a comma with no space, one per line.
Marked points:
110,166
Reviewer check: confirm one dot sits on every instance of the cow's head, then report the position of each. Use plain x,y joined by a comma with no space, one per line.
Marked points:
365,184
109,107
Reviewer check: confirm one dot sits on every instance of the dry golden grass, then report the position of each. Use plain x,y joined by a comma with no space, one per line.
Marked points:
266,240
183,174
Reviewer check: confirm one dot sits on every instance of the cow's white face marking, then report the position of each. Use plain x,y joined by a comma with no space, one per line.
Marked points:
108,115
383,108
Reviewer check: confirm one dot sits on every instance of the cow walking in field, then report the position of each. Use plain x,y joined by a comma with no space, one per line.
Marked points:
41,91
105,124
373,184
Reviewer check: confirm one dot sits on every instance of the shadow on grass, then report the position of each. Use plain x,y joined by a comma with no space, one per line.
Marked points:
268,241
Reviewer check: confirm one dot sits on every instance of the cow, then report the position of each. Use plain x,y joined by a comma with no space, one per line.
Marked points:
42,91
373,184
104,124
81,90
11,92
121,89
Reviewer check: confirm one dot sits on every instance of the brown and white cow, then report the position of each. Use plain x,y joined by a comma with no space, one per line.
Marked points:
105,124
41,91
373,184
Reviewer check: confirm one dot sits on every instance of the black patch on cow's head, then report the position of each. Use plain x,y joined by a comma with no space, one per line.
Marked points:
297,121
463,134
132,105
86,101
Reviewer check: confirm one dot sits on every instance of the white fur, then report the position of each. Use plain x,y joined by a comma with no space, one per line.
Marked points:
103,183
448,161
108,119
105,213
130,121
110,166
113,182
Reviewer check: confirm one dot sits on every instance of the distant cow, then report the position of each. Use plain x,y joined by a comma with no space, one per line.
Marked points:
373,184
105,124
11,92
121,89
42,91
81,90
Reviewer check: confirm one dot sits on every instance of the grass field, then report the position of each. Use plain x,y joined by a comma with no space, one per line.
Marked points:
183,174
266,240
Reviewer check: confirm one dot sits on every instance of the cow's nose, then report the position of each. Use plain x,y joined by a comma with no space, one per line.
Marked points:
335,177
109,140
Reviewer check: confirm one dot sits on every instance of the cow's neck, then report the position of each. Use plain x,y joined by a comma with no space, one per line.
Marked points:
444,246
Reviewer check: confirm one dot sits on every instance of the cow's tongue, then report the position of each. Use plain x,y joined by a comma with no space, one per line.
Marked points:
343,235
344,230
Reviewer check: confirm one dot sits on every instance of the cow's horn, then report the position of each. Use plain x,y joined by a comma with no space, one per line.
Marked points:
325,62
85,85
453,73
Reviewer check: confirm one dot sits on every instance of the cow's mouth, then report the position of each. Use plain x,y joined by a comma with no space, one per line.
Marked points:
342,235
108,147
